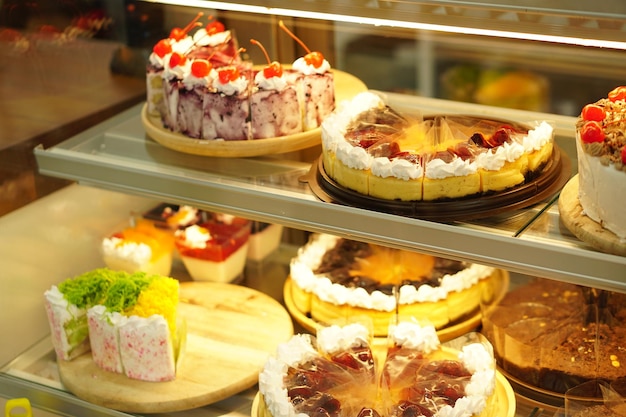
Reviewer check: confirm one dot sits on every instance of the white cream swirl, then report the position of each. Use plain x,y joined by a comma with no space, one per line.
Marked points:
437,168
136,252
538,137
301,65
232,88
202,38
176,72
272,83
495,158
190,81
413,336
400,168
298,349
335,338
157,61
478,360
194,237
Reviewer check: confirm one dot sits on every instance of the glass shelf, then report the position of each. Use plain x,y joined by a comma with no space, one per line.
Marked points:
117,155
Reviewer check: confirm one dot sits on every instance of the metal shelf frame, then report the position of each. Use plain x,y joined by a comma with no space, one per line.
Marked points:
118,155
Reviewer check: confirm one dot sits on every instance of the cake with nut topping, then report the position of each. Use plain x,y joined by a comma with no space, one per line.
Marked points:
601,149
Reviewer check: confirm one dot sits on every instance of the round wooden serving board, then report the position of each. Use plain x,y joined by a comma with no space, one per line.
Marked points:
346,86
585,229
231,332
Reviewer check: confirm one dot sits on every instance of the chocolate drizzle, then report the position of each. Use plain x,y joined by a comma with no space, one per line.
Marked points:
340,265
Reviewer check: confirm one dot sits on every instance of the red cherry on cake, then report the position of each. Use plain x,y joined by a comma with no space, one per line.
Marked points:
215,27
201,68
314,58
177,59
273,69
180,33
618,93
593,112
592,132
311,58
623,155
162,48
227,75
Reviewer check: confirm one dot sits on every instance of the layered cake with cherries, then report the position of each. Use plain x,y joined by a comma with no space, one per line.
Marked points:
333,278
554,336
601,149
376,151
139,248
338,373
128,321
215,249
199,86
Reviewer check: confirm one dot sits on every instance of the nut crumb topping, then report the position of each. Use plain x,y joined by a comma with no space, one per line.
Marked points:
614,128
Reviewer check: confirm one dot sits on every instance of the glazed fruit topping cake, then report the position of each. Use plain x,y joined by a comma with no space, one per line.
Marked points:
199,86
374,150
601,150
338,374
332,278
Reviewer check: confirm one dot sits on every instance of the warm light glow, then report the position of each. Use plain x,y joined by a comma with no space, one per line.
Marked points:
220,5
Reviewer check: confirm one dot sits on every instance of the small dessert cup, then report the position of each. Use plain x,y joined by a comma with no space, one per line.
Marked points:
213,250
139,248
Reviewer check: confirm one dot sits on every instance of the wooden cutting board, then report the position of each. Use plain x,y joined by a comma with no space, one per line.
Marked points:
231,331
585,229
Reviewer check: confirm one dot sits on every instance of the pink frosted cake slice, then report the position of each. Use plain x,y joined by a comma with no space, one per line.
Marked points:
226,111
68,326
190,111
195,85
319,98
274,107
316,89
146,349
104,338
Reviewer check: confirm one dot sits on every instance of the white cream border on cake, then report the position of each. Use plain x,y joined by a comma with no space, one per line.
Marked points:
310,255
335,126
300,348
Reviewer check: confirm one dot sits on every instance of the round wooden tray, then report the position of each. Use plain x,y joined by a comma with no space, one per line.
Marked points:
504,394
231,332
547,183
585,229
500,282
346,86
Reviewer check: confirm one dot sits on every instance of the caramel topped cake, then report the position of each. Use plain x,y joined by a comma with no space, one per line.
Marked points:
335,278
